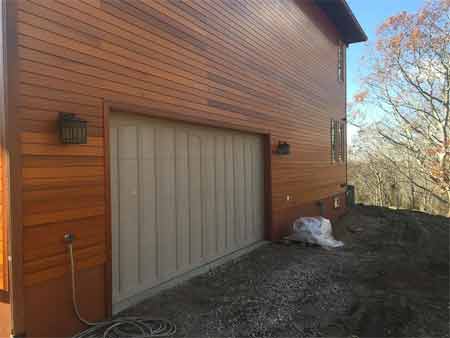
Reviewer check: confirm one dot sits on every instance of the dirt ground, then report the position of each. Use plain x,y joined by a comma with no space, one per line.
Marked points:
390,280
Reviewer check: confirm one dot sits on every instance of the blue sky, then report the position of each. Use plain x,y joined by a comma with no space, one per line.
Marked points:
370,14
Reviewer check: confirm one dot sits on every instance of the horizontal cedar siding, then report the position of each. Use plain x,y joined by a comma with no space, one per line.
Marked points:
259,64
172,56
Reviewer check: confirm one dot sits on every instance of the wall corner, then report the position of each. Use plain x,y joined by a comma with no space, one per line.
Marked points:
12,167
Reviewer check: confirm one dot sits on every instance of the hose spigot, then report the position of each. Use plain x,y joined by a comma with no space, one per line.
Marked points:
69,238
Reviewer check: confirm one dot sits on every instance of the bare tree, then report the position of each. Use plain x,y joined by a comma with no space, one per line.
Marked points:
409,82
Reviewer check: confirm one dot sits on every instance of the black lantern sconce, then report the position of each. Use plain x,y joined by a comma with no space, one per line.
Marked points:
283,148
72,129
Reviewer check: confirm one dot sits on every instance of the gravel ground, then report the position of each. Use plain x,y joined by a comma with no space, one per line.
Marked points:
390,280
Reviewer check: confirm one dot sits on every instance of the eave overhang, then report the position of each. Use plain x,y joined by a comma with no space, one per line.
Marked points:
343,18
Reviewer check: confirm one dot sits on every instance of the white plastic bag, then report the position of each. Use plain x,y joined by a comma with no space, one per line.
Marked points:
314,230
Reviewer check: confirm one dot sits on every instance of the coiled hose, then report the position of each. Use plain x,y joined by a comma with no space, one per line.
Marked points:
125,327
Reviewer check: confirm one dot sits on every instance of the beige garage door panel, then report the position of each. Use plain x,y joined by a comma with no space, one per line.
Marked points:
182,196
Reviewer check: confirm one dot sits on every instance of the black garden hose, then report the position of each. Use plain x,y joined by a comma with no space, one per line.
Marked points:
122,327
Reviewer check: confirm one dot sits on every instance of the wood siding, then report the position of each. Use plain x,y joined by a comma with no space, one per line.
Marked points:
3,181
5,306
254,65
5,320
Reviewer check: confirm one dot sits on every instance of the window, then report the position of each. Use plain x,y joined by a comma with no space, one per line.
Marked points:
341,61
338,141
343,140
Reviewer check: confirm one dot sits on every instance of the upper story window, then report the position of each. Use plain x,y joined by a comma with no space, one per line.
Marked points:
338,141
341,61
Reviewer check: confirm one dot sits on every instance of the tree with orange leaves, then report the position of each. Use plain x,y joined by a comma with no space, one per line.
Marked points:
409,82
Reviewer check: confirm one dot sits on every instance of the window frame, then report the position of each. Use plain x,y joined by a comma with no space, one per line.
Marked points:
342,134
333,141
338,142
341,62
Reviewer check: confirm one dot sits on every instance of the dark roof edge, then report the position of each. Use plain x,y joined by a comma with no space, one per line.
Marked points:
340,13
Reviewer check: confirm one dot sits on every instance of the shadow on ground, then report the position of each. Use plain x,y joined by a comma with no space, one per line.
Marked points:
390,280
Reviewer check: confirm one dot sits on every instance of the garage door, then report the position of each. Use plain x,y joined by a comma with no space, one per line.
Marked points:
182,196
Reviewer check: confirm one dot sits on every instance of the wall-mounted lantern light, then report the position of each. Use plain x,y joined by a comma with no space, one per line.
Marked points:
336,202
72,129
283,148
